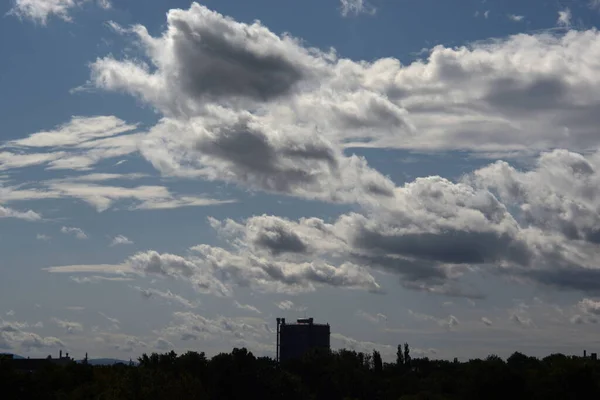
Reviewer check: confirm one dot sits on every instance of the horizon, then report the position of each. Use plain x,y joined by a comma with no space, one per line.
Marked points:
174,175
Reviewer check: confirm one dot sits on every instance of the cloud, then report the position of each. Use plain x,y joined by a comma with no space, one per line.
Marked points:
247,307
590,307
97,268
77,232
285,305
174,266
104,197
14,337
105,4
356,7
39,11
27,215
521,94
114,321
189,326
449,323
69,326
99,278
374,319
168,295
486,321
43,237
564,18
120,240
10,313
77,131
163,344
516,18
78,144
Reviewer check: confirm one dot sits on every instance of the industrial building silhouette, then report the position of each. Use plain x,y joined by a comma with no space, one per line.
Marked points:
295,339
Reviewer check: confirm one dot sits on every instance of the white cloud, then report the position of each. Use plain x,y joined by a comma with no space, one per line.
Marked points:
163,344
120,240
69,326
39,11
516,18
77,232
43,237
486,321
247,307
449,322
356,7
524,93
189,326
14,337
168,295
77,131
105,4
99,278
10,313
78,144
114,321
375,319
98,268
103,197
564,18
594,4
285,305
27,215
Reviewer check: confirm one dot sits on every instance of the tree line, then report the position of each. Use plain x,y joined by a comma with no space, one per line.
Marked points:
327,375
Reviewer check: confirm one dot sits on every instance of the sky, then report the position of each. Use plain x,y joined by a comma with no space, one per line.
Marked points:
177,175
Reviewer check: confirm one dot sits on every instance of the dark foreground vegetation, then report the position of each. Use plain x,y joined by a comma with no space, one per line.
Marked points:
320,375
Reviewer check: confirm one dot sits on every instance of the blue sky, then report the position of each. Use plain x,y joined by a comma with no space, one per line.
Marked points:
176,175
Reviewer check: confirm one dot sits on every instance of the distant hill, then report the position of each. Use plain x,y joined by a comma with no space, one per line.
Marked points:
15,356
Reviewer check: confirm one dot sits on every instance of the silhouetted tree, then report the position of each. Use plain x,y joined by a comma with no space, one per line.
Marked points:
377,362
406,354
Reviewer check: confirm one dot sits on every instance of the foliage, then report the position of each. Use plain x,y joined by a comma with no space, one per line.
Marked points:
342,374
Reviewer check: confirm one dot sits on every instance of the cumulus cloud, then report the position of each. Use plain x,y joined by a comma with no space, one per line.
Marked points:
120,240
13,336
590,307
242,104
29,215
356,7
43,237
564,18
39,11
516,18
163,344
77,232
524,93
